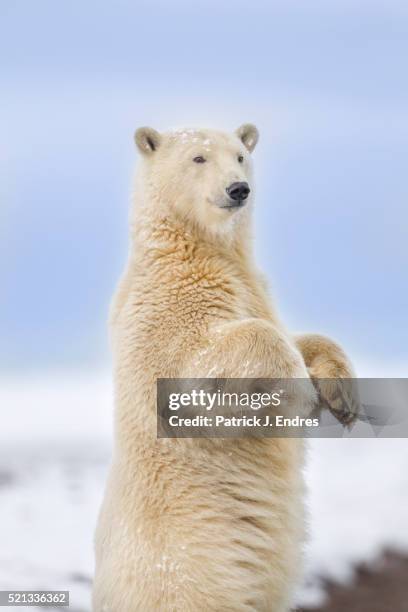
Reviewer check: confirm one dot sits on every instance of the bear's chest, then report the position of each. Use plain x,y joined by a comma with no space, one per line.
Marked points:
203,299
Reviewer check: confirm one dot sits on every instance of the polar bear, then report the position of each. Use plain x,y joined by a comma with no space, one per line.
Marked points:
199,525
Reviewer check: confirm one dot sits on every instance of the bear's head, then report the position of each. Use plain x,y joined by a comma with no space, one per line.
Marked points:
202,176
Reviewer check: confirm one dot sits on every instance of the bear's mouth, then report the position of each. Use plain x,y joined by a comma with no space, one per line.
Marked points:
235,204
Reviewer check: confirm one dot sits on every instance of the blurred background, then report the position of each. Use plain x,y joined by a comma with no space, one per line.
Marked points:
326,84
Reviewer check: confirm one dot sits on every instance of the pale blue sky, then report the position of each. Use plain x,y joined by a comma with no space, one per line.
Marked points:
327,85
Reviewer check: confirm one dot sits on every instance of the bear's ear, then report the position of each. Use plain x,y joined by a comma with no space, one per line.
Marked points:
147,140
248,134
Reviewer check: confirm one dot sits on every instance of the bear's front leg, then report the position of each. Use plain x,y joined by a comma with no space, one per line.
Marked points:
326,363
246,348
252,349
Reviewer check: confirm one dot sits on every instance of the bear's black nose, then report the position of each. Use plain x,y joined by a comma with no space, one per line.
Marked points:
238,191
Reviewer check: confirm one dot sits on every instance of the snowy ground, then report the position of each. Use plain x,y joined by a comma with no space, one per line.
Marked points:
54,453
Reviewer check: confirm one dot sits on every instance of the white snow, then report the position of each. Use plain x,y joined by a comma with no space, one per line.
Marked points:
358,503
54,453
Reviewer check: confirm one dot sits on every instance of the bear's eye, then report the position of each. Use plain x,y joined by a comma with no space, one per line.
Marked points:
240,158
199,159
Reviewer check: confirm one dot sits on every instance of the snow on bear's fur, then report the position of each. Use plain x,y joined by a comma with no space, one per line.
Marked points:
191,525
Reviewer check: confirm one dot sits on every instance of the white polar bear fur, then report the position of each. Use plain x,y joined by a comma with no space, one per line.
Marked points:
196,525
